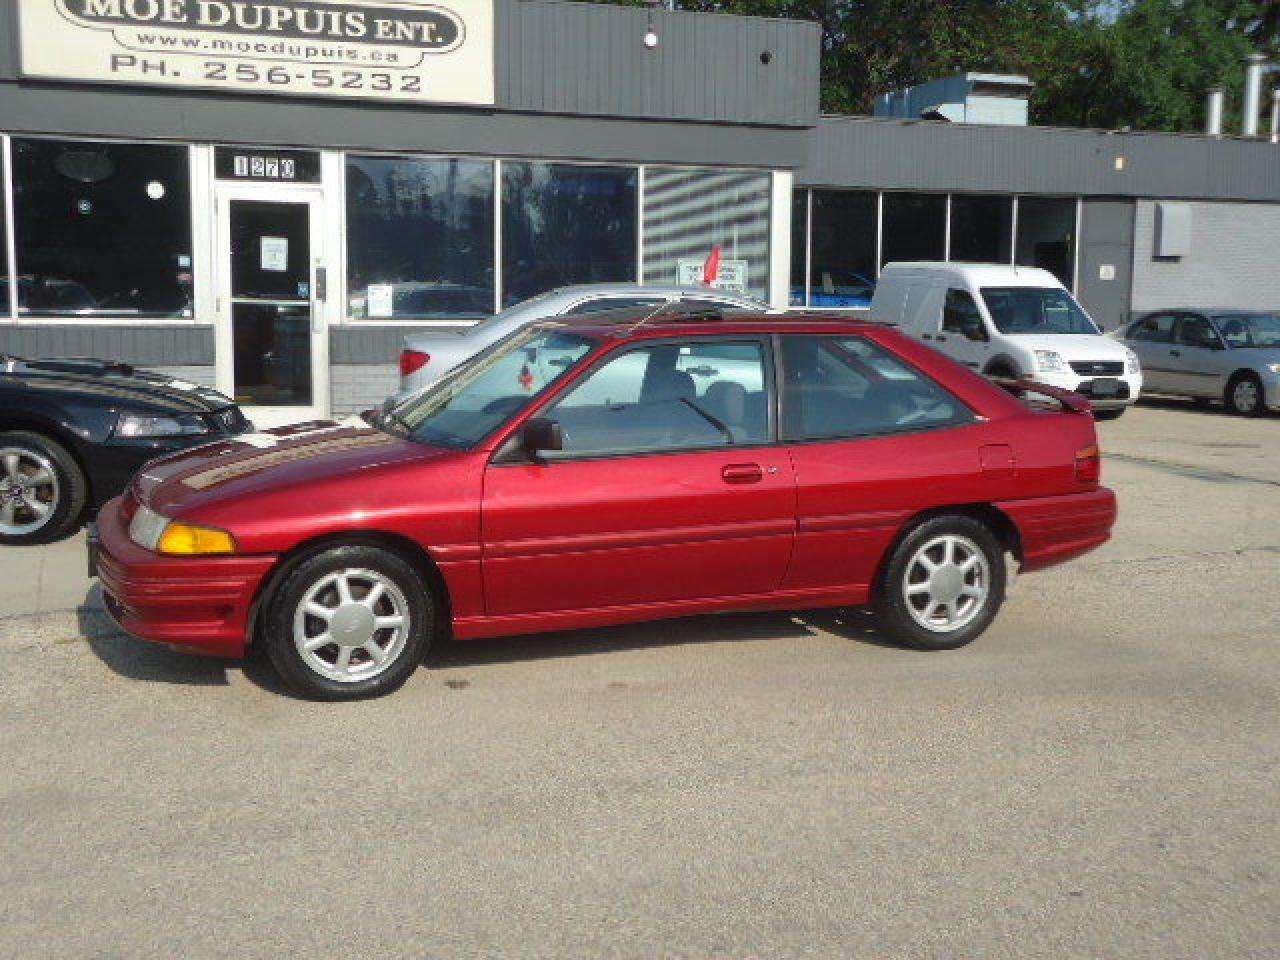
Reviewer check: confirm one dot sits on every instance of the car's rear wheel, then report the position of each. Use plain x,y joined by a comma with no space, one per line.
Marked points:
349,623
42,489
1244,395
943,584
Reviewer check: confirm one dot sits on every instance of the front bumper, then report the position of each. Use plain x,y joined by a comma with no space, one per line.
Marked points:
1104,393
195,604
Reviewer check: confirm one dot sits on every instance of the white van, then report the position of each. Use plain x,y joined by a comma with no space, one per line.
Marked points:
1007,321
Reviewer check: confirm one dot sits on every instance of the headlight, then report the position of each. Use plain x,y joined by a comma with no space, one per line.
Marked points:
139,425
159,534
1274,367
1135,365
1050,361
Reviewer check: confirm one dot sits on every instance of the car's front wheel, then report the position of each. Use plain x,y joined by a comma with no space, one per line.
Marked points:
943,584
1114,414
349,623
42,489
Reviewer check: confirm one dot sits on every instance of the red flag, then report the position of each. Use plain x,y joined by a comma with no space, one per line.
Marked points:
711,269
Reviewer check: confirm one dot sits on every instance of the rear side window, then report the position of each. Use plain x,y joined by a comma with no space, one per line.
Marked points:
613,303
838,387
1196,331
1157,329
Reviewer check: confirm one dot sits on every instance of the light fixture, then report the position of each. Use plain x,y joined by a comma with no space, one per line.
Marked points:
155,190
651,33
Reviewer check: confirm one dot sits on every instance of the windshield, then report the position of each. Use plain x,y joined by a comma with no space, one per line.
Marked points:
1250,330
489,389
1017,310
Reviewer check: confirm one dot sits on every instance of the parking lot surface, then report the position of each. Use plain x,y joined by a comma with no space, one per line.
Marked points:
1095,777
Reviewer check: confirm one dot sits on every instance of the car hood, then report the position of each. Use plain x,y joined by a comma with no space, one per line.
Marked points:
1073,346
282,464
142,391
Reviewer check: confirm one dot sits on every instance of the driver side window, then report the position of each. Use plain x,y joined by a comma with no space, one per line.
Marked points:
667,396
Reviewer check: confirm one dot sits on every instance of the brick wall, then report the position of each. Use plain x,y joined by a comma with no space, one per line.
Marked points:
357,387
1232,261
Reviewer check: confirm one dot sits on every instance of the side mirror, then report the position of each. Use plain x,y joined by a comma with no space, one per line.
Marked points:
541,434
973,328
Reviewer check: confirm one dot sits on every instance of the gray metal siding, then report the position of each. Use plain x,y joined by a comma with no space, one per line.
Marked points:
164,115
1232,261
1106,241
360,344
581,58
170,346
859,152
564,58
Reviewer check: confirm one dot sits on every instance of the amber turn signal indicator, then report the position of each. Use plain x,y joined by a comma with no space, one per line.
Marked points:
188,539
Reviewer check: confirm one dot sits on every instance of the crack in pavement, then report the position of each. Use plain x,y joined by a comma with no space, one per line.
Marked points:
1190,470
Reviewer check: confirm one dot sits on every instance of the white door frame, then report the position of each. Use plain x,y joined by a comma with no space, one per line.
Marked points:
322,311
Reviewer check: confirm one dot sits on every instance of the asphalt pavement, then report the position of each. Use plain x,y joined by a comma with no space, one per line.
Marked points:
1096,777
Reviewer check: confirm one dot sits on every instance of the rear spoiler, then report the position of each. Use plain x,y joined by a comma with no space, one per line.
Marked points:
1068,400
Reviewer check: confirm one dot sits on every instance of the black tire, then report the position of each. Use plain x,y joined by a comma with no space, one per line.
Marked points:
65,498
350,563
890,601
1002,371
1109,414
1245,403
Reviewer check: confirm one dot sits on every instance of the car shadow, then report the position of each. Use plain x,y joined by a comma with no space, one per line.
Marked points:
850,624
1186,405
136,659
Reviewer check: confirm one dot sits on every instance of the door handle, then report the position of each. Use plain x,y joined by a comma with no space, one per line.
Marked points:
942,338
926,336
742,473
1175,353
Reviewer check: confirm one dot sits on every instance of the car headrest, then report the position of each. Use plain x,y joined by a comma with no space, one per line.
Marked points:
664,386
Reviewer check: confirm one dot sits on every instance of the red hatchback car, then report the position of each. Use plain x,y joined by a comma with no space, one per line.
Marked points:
613,469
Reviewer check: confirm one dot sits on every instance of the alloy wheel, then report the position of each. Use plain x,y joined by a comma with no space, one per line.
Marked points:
29,491
351,625
946,583
1244,395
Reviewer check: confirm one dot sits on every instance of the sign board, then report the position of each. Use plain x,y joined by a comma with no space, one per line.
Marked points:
732,275
406,50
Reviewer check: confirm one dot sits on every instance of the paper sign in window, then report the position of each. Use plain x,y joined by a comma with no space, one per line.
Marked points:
275,254
381,300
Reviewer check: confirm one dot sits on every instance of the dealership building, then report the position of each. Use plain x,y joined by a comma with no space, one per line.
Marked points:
266,196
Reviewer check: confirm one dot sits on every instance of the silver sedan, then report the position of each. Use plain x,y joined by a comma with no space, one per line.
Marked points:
429,355
1227,355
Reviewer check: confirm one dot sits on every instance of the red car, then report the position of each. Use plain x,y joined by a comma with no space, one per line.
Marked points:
613,469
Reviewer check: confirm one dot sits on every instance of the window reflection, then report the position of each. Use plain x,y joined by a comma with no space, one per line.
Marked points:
1046,236
914,227
689,212
843,267
419,237
102,228
981,228
566,224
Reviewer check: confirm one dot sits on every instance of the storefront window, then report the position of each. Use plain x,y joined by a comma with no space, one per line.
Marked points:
914,227
419,237
5,302
102,229
564,224
688,213
1046,235
843,250
981,228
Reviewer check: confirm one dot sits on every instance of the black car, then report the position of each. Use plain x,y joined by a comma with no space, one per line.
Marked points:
72,433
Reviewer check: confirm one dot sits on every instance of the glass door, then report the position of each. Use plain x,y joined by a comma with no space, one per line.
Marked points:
272,355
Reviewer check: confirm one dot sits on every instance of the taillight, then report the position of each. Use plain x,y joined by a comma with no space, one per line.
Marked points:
411,361
1089,464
